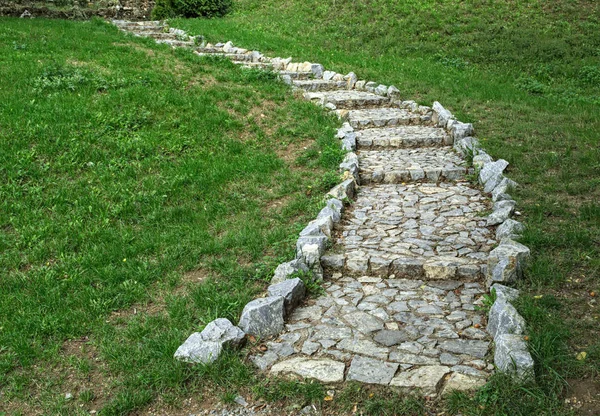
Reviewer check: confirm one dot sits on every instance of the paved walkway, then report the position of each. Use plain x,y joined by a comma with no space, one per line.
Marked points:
405,275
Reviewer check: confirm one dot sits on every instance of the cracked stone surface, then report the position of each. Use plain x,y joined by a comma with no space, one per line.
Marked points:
348,98
379,117
401,136
319,85
385,329
404,165
426,223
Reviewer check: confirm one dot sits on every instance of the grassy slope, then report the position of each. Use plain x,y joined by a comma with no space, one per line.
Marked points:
128,172
528,75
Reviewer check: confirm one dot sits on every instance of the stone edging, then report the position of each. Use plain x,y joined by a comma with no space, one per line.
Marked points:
264,317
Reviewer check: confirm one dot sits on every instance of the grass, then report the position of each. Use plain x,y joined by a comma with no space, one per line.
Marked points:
528,75
130,173
189,182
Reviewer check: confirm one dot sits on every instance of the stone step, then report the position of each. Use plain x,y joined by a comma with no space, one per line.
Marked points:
256,65
380,117
408,165
402,136
139,26
319,85
423,231
406,333
238,57
348,99
160,35
177,43
298,75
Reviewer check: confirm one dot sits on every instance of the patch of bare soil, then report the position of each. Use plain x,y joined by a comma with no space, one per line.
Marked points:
583,396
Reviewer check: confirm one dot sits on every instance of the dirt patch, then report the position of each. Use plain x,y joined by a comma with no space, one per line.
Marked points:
583,396
294,150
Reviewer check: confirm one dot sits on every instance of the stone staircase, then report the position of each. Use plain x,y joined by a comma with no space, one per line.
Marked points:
405,275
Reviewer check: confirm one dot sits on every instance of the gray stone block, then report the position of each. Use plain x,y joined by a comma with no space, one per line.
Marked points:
501,212
512,356
381,90
509,229
292,291
206,346
317,70
349,142
319,240
263,317
461,130
506,262
480,159
491,176
344,190
466,145
351,80
285,270
441,116
504,319
504,187
505,293
393,92
321,226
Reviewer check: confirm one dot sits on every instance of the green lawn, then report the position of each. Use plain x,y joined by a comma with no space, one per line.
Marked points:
128,173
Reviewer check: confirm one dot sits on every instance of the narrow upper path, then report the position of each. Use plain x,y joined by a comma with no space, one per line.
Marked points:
404,278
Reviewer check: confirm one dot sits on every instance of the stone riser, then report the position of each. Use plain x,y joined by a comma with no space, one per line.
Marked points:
388,122
160,36
395,143
404,269
179,43
141,28
355,105
413,175
238,57
297,75
322,86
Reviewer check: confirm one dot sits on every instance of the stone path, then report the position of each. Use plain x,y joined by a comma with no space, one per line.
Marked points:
406,272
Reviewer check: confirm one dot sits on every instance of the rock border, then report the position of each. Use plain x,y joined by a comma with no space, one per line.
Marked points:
264,317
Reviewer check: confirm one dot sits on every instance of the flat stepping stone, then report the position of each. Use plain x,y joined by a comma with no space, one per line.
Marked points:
159,35
138,26
407,165
348,98
402,136
415,230
324,370
176,43
371,371
319,85
379,117
428,379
